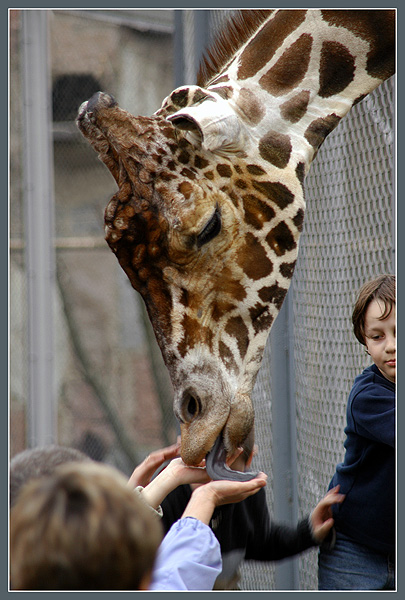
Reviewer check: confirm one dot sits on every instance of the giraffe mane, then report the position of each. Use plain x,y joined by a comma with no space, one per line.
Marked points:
233,35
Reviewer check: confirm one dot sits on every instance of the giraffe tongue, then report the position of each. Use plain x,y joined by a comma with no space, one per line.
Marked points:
217,468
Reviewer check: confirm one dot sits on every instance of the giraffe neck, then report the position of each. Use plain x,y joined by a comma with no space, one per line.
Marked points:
300,73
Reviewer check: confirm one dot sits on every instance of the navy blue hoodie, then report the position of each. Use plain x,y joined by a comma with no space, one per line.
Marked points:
367,474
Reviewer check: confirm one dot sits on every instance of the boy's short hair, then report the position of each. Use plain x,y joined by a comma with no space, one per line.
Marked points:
381,288
82,528
37,462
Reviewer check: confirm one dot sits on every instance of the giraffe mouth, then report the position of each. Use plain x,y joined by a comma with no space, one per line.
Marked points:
217,468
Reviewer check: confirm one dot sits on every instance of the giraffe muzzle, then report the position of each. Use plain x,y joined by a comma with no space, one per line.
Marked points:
213,426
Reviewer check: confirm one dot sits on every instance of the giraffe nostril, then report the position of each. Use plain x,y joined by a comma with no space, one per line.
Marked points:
191,406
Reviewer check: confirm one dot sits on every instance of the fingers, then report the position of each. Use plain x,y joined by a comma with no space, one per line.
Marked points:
322,530
142,474
333,498
158,457
234,491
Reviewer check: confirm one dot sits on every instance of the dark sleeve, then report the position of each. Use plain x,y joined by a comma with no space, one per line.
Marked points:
282,541
174,504
373,414
270,541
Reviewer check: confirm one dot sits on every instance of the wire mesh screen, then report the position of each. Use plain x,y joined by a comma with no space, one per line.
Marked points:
347,240
113,393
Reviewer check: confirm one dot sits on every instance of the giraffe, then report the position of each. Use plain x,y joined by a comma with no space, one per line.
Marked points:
210,202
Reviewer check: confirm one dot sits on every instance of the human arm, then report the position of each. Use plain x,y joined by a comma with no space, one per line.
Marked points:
269,541
176,473
321,517
189,557
143,473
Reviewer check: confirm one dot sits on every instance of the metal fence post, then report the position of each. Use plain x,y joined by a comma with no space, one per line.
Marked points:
40,260
284,435
178,49
201,35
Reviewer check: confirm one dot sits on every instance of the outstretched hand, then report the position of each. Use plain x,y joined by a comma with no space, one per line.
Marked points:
321,517
228,492
143,473
207,497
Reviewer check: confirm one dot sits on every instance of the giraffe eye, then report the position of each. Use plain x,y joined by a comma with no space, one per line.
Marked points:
211,230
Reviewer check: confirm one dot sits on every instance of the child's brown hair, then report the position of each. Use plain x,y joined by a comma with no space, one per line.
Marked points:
38,462
381,288
81,528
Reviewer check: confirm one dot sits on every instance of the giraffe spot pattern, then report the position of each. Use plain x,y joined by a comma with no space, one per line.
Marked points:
224,170
275,148
257,212
290,69
253,259
287,269
275,191
294,109
241,184
200,162
317,131
225,92
252,109
184,157
180,98
336,69
280,239
193,333
260,317
188,173
236,328
227,356
364,23
220,308
273,294
298,220
255,170
262,47
300,172
198,96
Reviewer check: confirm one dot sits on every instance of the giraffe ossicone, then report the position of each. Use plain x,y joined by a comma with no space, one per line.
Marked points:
210,201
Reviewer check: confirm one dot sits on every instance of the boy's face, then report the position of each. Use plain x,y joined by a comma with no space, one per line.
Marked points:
381,338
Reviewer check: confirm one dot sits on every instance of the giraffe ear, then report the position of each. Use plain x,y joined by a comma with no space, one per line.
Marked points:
213,124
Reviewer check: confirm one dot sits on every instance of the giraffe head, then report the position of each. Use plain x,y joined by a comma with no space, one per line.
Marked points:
210,243
210,204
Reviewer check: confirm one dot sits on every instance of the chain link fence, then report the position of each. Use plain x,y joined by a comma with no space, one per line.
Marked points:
113,394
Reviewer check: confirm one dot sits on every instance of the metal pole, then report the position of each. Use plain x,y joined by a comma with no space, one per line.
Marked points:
284,436
201,35
178,49
40,258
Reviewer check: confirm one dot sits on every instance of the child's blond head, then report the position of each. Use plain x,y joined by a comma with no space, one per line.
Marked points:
81,528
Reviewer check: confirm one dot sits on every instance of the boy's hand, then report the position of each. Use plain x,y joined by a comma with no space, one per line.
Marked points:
143,473
207,497
321,517
178,473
